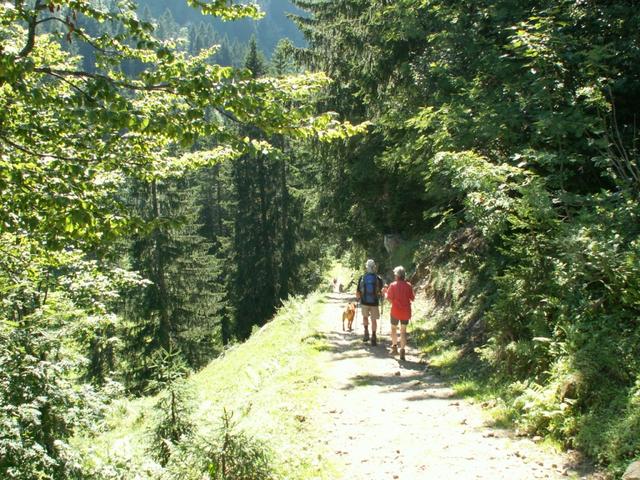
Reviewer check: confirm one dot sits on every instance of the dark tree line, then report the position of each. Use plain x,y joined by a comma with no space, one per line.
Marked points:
268,31
221,250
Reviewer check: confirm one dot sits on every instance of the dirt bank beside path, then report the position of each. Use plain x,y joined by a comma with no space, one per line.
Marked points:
390,420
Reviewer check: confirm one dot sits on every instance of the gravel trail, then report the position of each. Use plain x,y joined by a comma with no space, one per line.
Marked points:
386,419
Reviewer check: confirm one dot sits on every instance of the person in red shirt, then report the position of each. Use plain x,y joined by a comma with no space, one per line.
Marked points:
400,294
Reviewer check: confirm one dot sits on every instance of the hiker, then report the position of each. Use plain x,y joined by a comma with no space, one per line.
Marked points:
400,294
369,294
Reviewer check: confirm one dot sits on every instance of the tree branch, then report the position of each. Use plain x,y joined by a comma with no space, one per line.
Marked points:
229,115
79,32
74,86
28,151
31,34
33,22
97,76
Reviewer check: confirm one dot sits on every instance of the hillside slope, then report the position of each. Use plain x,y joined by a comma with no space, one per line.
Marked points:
269,384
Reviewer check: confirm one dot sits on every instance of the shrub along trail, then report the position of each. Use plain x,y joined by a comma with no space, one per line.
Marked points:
385,420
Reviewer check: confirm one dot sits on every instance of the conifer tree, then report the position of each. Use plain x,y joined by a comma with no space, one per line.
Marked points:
180,309
75,136
254,60
224,56
167,27
216,187
282,59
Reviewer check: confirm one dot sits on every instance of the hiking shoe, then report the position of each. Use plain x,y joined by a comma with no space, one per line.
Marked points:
402,354
374,341
394,350
366,336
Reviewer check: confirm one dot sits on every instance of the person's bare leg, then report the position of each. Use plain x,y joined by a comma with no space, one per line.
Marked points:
403,340
394,339
365,324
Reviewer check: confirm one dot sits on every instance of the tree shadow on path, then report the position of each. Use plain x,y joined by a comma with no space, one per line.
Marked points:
413,380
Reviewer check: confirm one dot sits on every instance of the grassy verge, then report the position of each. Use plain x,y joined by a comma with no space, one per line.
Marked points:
469,375
270,383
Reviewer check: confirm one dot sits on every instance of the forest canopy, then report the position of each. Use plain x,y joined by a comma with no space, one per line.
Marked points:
164,188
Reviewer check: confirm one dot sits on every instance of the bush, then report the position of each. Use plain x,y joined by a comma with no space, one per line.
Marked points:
41,407
562,309
230,455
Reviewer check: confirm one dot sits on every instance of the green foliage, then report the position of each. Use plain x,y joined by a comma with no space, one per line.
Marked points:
173,424
254,60
254,381
503,132
234,455
91,105
181,306
239,456
282,62
41,406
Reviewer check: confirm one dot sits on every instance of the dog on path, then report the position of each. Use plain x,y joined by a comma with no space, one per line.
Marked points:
349,314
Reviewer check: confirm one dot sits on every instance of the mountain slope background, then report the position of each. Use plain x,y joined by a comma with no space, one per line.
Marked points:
271,28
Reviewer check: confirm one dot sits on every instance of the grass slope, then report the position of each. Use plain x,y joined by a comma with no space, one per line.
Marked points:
270,383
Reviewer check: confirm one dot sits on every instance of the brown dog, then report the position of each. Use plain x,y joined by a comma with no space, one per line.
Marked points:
349,314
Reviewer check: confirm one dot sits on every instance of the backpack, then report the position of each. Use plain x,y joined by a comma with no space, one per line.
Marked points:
369,289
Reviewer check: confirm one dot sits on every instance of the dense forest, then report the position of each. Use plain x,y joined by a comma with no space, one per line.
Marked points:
153,211
164,188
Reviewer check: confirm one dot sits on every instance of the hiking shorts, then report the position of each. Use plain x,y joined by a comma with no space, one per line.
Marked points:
370,310
395,321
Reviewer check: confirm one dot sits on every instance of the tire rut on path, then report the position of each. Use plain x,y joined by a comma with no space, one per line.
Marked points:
386,419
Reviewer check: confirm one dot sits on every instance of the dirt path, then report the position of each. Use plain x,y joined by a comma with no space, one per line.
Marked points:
390,420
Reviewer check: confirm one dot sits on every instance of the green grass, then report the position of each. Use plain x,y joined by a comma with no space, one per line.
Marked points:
271,383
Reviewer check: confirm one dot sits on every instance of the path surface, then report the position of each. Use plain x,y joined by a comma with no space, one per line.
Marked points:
387,419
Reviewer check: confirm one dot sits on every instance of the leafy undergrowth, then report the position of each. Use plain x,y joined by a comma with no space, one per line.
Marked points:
267,386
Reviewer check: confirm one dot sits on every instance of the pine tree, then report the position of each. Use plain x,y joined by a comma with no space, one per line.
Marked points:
254,60
216,186
253,243
167,26
282,59
224,56
193,40
181,309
